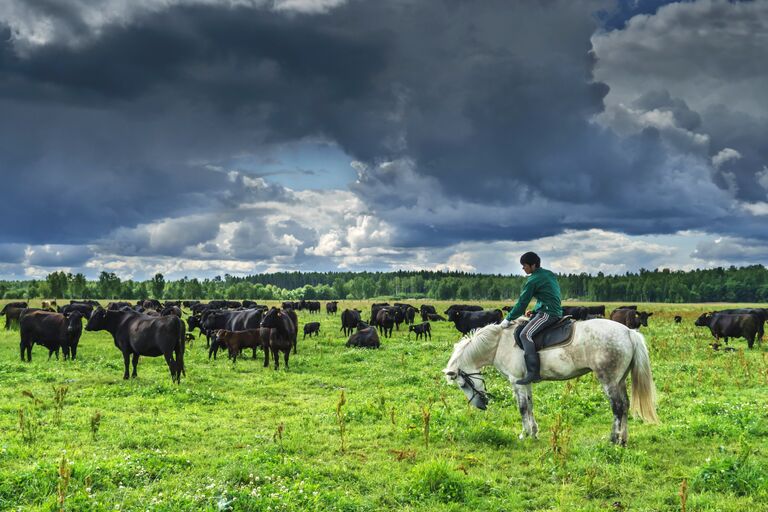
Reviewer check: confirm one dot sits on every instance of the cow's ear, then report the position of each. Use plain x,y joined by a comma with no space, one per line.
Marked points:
649,314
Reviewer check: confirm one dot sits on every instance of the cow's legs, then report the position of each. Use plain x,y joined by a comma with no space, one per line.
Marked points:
171,366
285,356
127,363
135,363
266,355
276,357
525,405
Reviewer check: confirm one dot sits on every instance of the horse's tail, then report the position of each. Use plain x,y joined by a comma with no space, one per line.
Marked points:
643,389
180,346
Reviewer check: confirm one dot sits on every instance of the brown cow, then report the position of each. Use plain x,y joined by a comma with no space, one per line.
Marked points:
235,341
630,317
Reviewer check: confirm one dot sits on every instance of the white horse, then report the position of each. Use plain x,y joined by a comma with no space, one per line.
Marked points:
602,346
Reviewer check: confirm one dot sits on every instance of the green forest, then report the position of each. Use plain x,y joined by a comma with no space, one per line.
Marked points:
744,284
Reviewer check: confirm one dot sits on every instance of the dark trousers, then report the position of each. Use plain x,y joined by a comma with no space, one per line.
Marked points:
539,322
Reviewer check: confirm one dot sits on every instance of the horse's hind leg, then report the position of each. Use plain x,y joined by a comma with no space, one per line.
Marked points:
617,394
525,405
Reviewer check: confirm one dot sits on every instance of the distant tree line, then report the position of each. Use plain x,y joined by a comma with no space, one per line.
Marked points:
744,284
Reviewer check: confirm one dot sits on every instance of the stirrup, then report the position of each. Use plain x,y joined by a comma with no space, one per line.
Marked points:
528,379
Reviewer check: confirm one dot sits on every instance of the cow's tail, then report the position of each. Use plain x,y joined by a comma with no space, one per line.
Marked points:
643,403
180,346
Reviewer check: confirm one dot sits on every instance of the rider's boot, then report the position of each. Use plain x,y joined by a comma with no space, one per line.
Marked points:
533,369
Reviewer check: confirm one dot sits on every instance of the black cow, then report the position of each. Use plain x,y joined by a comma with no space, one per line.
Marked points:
332,308
422,329
760,313
151,304
52,330
385,320
290,305
577,312
311,328
90,302
627,307
20,305
725,325
434,317
427,309
596,310
282,334
365,337
465,321
678,319
12,315
349,320
410,315
189,303
115,306
136,334
84,309
461,307
630,317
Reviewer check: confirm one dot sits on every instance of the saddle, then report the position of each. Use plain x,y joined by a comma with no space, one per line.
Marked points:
559,333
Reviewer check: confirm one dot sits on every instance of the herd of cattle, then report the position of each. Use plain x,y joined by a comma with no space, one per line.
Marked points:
150,328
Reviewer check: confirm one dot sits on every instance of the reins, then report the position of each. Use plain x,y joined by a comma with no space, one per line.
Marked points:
468,378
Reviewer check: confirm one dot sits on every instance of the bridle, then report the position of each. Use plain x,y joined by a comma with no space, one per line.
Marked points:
469,380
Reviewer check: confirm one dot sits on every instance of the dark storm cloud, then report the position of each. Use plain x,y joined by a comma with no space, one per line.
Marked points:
491,103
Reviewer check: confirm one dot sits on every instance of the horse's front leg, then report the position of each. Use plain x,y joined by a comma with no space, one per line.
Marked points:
525,405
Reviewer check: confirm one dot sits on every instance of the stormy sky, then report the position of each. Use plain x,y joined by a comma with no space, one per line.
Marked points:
202,137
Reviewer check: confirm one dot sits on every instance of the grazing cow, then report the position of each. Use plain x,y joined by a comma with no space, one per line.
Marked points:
461,307
52,330
427,309
289,305
627,307
21,305
332,308
385,320
365,337
577,312
465,321
189,303
375,308
422,329
596,310
12,315
137,335
760,313
236,341
170,303
152,304
678,319
630,317
434,317
282,334
349,320
725,325
311,328
313,306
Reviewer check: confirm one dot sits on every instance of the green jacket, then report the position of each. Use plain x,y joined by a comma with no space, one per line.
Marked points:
541,284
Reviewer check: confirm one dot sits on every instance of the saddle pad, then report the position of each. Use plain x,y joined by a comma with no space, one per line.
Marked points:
555,335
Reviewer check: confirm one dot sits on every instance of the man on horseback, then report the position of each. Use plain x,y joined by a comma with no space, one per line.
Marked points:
542,284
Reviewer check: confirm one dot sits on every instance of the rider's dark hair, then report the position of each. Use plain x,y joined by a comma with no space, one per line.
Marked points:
530,258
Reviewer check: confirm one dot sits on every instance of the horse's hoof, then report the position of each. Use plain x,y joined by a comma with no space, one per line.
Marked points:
521,436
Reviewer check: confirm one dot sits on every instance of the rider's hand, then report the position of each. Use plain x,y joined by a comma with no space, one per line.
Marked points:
504,323
529,313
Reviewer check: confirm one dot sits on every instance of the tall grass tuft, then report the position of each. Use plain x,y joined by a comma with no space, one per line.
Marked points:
278,438
59,395
683,494
340,420
95,423
65,472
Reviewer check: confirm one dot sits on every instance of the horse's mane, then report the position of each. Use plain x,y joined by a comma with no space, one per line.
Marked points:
475,342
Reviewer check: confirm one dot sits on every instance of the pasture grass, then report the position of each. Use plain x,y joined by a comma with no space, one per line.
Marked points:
242,437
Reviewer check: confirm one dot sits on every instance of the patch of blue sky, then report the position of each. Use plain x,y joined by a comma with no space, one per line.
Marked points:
616,18
301,165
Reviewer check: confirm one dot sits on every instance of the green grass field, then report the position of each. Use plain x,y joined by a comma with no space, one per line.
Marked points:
246,437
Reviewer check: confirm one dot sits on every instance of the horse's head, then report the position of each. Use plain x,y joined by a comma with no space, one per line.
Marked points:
470,355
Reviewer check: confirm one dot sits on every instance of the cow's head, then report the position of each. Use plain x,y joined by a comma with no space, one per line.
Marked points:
75,323
703,320
454,315
642,318
272,318
97,321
